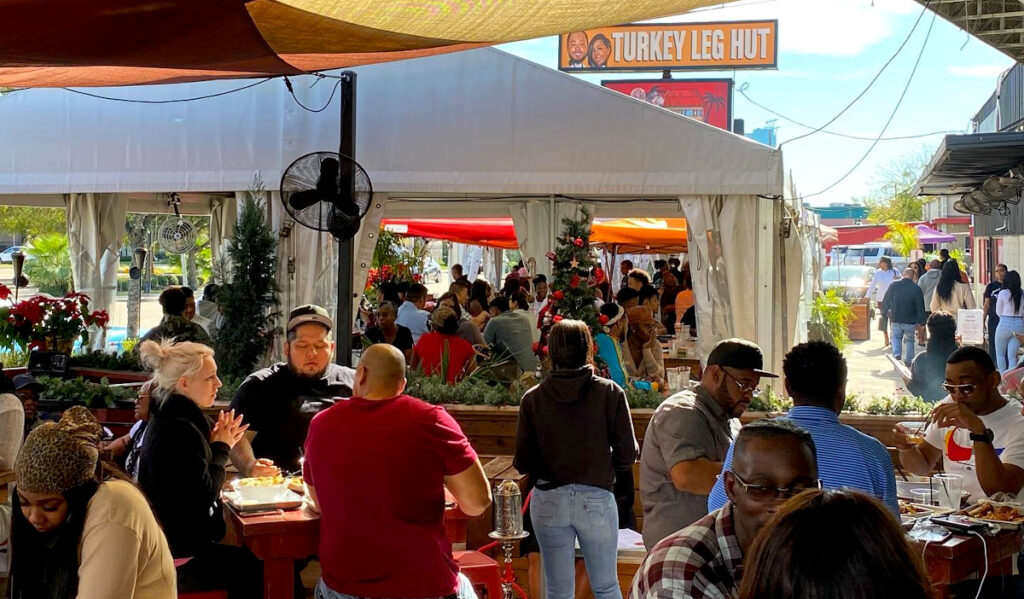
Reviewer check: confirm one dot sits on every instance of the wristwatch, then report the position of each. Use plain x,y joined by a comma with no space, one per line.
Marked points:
985,437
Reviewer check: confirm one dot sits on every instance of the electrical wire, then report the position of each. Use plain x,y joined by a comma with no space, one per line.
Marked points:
175,101
742,90
892,115
873,80
288,84
984,551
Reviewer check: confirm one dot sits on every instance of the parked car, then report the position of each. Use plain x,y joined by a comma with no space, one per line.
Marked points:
5,256
852,279
431,271
868,254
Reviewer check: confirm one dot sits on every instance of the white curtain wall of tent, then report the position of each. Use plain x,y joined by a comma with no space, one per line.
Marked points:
474,133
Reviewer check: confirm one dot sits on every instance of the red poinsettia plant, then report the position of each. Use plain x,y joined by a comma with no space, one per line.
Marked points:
43,322
378,277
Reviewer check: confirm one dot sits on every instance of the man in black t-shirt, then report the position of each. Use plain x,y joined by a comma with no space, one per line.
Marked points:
992,319
279,402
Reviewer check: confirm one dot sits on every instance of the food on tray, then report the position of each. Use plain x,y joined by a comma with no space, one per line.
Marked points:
909,509
295,484
261,481
1001,513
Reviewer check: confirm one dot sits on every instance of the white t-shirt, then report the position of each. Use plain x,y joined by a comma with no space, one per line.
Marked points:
1004,305
1006,423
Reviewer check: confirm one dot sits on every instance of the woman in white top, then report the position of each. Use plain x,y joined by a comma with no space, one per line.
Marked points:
880,281
950,294
12,427
1010,309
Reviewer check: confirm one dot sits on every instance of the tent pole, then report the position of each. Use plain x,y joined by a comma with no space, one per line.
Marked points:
346,247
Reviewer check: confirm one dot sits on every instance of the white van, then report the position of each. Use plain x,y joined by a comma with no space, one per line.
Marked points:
868,254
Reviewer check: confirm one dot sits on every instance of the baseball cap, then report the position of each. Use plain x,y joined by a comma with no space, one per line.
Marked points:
27,381
741,354
307,314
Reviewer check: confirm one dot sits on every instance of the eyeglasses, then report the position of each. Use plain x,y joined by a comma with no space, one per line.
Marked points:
763,493
751,389
967,389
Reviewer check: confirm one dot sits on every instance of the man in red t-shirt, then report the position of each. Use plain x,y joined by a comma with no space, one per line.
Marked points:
376,466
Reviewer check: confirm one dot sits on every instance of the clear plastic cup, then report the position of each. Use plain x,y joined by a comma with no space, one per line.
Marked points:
948,489
923,496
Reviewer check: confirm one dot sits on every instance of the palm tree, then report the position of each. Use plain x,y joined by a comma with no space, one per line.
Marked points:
48,266
712,102
903,238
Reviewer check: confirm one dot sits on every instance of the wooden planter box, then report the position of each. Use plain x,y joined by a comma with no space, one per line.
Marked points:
859,328
492,430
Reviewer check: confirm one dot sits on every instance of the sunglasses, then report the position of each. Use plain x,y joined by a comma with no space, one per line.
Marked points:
967,389
763,493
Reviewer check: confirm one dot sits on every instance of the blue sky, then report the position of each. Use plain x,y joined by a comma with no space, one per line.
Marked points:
828,52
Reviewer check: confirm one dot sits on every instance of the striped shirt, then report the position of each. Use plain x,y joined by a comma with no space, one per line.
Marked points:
846,458
701,561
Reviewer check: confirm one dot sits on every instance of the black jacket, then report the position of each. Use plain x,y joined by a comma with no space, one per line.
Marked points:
904,302
182,474
575,427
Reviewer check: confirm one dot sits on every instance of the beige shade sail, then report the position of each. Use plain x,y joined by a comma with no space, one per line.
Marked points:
71,43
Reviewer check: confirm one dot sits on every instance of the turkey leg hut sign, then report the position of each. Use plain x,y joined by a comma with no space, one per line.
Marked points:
671,46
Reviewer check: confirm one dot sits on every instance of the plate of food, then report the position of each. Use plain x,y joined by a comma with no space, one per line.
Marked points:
1006,515
911,512
295,485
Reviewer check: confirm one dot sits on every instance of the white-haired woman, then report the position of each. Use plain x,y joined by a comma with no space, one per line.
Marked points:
181,468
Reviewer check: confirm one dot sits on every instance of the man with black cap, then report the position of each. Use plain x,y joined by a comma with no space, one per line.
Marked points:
279,402
689,436
27,388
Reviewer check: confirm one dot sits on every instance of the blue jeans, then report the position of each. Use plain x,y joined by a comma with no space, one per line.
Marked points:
322,591
1006,343
563,515
903,335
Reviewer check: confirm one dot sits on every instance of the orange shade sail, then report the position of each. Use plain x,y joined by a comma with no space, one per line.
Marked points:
76,43
641,235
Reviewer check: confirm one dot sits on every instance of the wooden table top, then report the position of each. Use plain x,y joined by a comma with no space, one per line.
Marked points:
300,520
6,476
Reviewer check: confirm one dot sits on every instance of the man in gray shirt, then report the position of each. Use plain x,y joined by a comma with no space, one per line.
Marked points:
929,280
689,436
513,331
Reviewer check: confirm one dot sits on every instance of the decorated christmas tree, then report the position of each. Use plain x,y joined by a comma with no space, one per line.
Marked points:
573,266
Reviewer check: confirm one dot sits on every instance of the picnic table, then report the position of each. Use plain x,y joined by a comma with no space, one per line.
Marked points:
6,477
962,557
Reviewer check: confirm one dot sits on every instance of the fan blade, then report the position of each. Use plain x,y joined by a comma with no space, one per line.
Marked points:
301,200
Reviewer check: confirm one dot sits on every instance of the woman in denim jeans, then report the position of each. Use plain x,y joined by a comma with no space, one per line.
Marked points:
575,432
1010,310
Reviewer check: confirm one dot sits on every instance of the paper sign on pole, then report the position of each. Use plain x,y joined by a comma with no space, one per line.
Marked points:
970,326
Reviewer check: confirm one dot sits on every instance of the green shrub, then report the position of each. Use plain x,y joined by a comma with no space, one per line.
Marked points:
80,391
106,361
770,401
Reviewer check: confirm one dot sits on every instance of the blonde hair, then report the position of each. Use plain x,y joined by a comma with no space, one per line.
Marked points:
170,361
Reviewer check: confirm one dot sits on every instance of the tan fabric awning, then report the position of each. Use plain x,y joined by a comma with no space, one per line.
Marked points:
71,43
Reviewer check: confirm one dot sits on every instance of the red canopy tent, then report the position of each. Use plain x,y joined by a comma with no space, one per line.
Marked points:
489,232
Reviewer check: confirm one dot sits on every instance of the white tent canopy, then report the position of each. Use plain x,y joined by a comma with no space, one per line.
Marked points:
479,133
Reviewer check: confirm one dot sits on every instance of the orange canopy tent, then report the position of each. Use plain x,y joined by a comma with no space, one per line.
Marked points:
74,43
641,235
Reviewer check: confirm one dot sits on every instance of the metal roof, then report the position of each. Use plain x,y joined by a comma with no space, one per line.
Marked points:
998,23
963,162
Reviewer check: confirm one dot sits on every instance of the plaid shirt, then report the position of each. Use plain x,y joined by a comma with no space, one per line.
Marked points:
702,561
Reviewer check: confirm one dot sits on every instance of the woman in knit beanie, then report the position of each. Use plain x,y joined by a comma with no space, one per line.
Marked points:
79,528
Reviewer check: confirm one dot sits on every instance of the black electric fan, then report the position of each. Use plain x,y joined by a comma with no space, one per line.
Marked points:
327,192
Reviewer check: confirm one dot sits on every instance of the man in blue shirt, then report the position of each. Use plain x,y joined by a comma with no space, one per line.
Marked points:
816,380
411,314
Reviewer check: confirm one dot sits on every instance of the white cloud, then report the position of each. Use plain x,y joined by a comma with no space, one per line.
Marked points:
984,71
817,27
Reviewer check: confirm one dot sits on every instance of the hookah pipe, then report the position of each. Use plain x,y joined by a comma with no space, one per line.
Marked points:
508,577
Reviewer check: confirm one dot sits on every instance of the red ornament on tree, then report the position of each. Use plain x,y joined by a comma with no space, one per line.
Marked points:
574,282
558,295
536,346
603,319
578,242
557,318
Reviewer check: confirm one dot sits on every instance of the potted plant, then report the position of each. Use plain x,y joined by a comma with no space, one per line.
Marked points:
43,322
830,316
